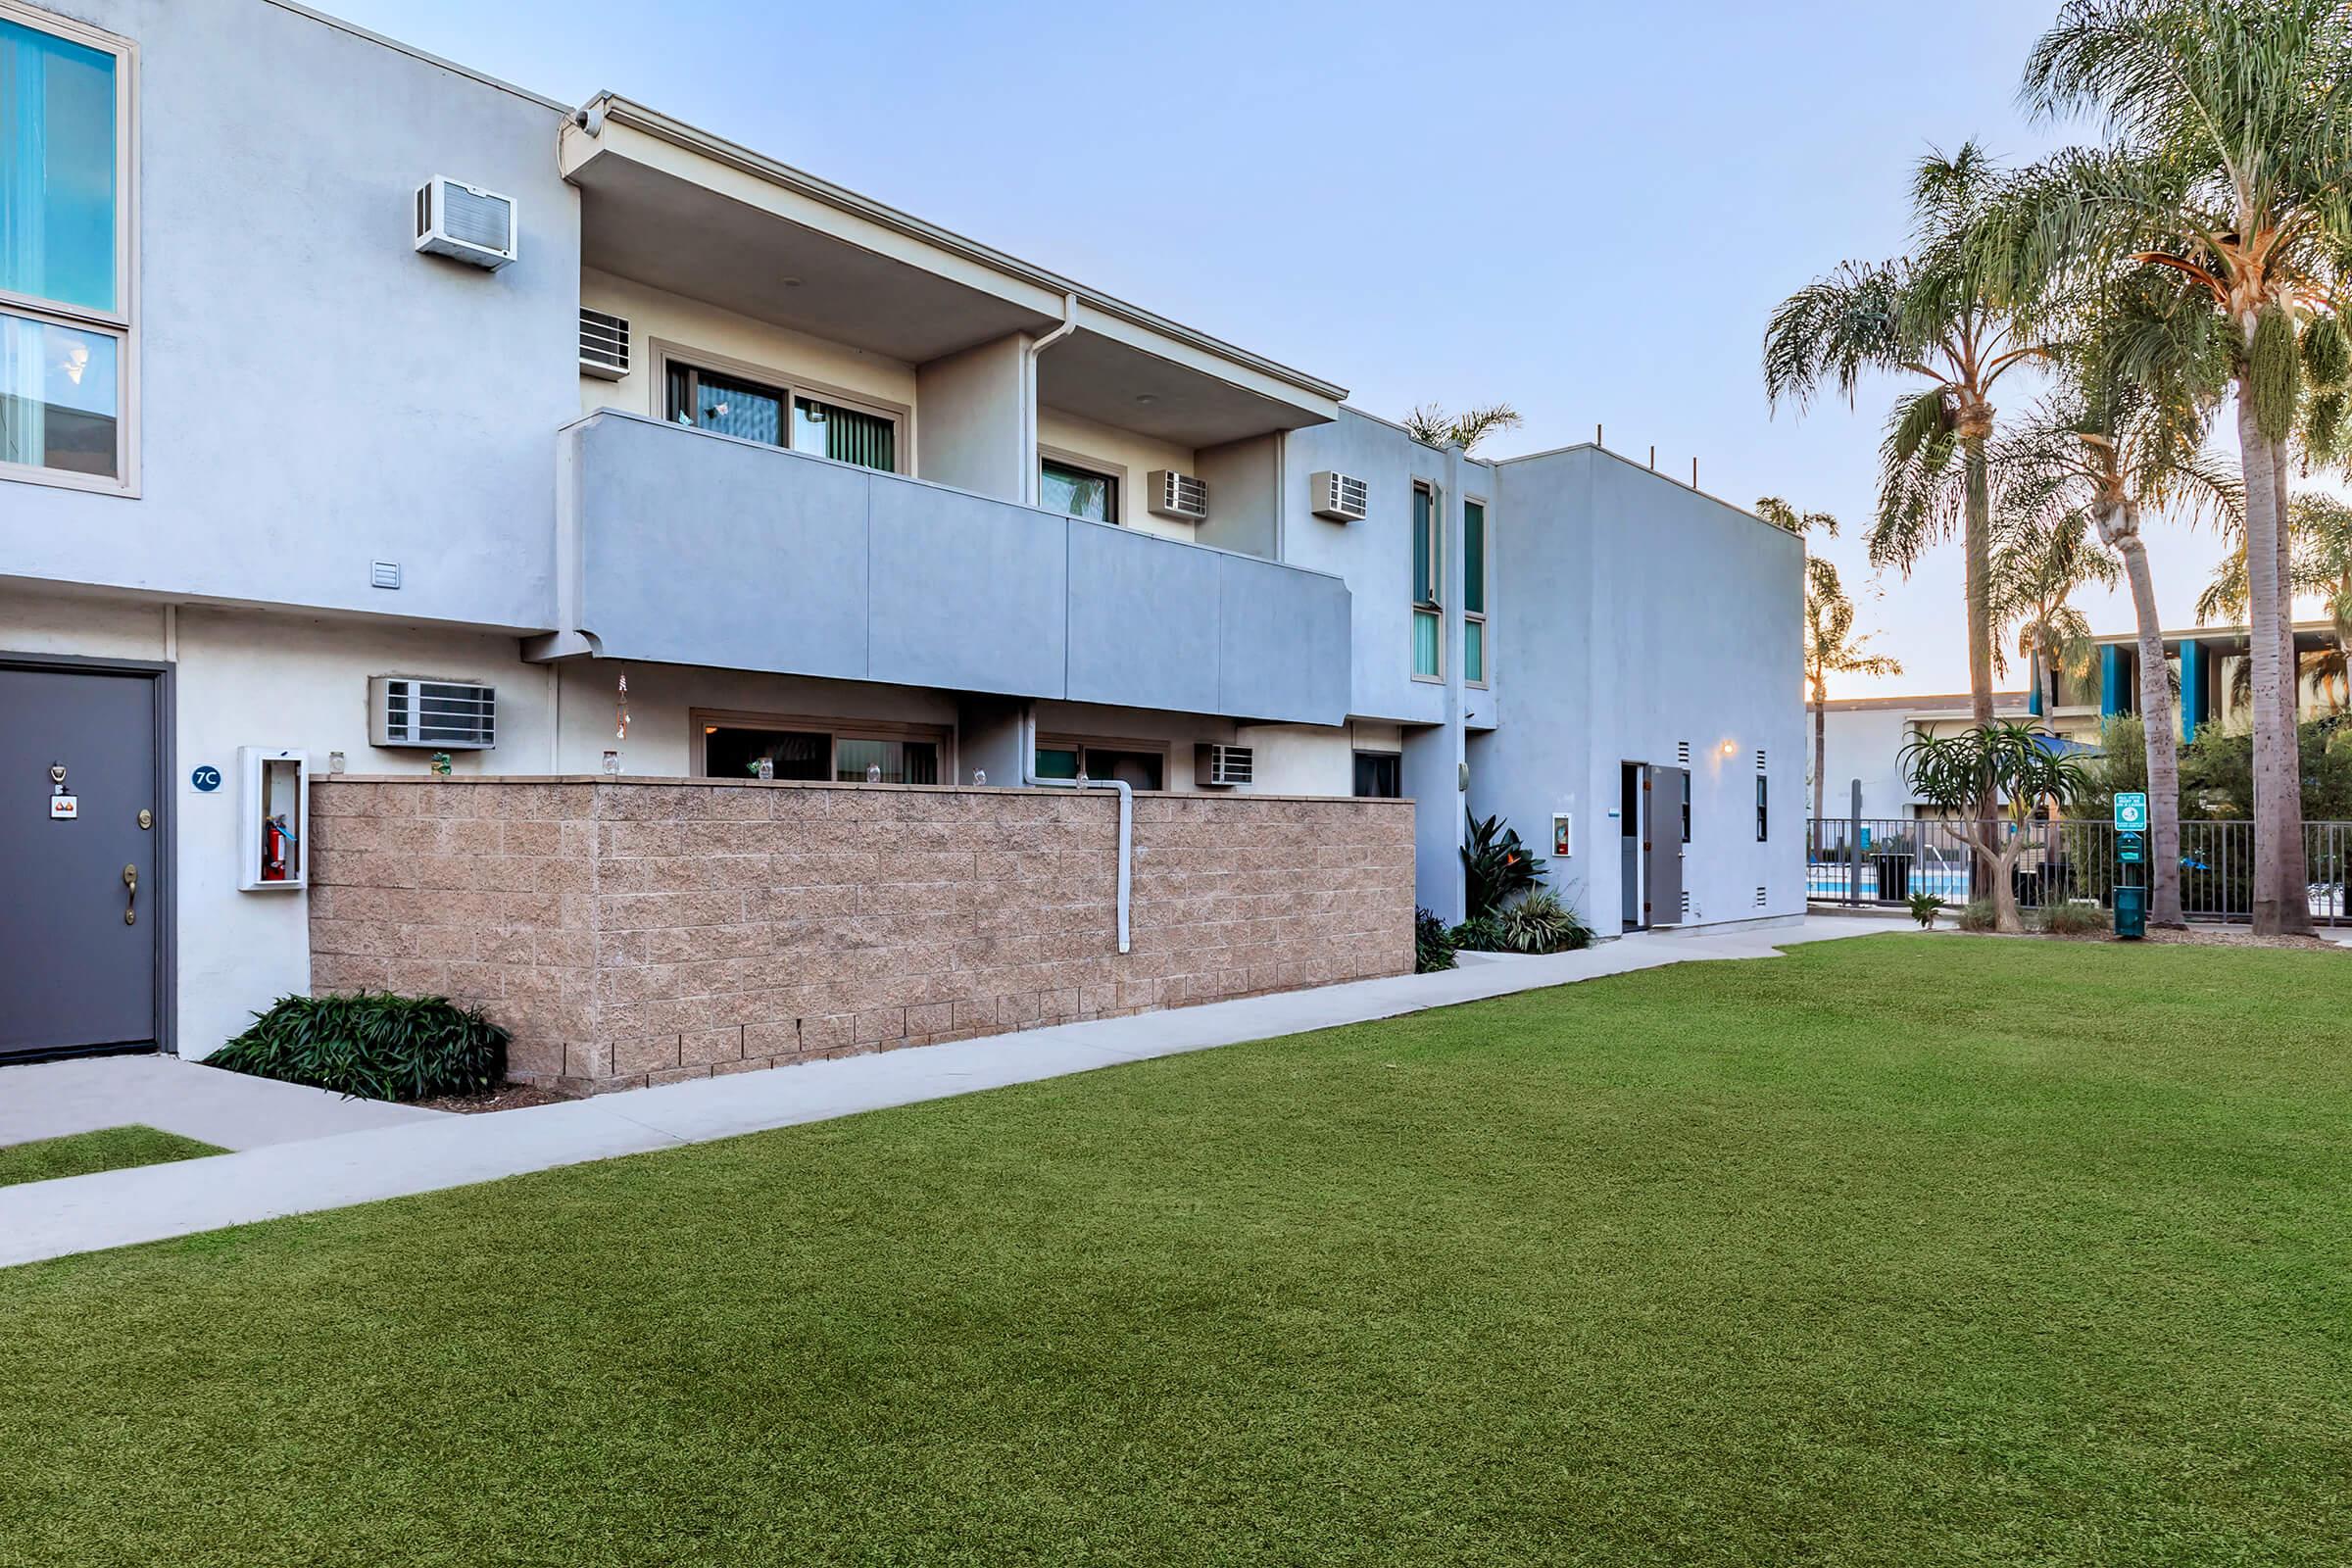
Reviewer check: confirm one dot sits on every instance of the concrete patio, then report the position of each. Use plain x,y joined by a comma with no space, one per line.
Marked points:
392,1151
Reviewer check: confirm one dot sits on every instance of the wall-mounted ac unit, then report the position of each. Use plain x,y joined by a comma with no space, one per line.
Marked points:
1178,495
442,715
465,224
604,345
1341,497
1223,768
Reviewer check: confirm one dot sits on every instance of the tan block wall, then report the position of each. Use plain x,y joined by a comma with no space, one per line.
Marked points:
644,931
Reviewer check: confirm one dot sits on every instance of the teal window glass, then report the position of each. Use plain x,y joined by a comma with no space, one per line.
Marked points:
57,169
1474,558
1425,546
1425,643
59,397
1078,492
1056,761
1474,650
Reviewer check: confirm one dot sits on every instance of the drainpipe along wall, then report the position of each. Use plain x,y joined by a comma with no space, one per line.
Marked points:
1126,808
1032,482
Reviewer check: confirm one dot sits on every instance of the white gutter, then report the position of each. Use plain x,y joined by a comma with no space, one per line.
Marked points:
1033,489
1028,743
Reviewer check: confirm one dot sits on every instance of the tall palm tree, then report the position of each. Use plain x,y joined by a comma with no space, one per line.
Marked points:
2321,567
2229,167
1432,426
2126,436
1781,514
2042,558
1951,326
1831,648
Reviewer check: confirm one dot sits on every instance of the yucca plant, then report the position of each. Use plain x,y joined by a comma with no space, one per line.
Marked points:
373,1045
1540,922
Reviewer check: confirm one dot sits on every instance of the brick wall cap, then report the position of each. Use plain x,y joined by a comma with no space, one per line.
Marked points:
625,780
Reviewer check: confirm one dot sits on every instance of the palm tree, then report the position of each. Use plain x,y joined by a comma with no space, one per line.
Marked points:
2321,567
1954,327
1432,426
1831,648
2229,168
1781,514
2042,558
2126,436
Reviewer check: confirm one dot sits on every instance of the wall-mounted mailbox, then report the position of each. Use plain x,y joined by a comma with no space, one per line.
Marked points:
273,819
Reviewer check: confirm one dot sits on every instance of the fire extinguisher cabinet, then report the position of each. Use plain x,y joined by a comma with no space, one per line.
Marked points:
273,819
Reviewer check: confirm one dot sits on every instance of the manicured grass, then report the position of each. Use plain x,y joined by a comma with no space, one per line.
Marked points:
109,1148
1903,1249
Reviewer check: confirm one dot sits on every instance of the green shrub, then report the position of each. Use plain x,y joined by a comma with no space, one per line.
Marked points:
2073,919
1925,907
1541,923
1496,866
1480,933
374,1045
1433,944
1977,916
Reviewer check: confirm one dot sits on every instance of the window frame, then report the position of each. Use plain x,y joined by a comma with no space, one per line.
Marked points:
1064,742
1763,808
121,324
1115,473
1485,584
1363,754
1433,606
668,356
701,720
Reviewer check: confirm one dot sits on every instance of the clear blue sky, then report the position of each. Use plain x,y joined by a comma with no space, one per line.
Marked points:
1586,211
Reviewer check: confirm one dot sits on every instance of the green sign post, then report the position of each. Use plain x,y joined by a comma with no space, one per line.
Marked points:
2131,864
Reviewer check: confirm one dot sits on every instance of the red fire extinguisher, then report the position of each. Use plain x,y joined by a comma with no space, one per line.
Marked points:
276,844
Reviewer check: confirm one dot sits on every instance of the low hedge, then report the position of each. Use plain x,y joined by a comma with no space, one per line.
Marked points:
374,1045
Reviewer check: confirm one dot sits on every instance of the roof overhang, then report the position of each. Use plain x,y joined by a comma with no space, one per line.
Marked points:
680,210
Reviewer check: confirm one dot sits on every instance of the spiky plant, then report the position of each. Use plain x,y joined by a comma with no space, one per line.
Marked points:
2227,164
1831,648
1432,426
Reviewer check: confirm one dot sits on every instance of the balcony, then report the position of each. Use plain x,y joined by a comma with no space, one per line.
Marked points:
676,545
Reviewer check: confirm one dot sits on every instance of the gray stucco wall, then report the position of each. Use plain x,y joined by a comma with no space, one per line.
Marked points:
1643,615
968,420
314,394
698,549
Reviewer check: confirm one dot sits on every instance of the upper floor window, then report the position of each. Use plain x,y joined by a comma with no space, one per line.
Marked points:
1429,577
753,411
65,250
1474,592
1080,492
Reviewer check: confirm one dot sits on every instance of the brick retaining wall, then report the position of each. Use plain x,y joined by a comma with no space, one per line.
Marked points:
645,931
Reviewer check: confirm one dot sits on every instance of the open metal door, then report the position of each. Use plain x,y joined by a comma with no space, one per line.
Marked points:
1668,793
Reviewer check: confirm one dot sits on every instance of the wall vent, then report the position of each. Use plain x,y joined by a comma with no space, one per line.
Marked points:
1223,768
1341,497
446,715
1686,904
1759,897
1759,759
1180,496
1682,754
604,345
383,575
465,224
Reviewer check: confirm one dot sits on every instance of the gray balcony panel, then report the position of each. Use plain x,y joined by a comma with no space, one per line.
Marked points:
1143,620
1283,642
968,592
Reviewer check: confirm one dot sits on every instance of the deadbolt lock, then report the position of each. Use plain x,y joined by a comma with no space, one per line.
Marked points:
146,817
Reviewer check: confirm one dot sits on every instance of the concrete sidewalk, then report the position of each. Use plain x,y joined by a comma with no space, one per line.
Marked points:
55,1098
428,1153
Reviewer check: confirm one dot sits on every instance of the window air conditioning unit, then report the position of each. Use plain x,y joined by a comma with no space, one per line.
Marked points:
1341,497
1178,495
465,224
604,345
1223,768
443,716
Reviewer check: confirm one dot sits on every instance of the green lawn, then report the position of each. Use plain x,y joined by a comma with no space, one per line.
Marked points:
109,1148
1904,1250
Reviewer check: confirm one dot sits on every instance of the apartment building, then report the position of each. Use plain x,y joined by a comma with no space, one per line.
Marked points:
2210,668
363,416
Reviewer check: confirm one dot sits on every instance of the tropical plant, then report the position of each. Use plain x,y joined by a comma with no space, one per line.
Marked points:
1925,907
1433,945
2042,556
1954,327
2013,763
1480,933
2319,566
373,1044
1831,648
1496,866
1781,514
1540,922
2227,168
1432,426
2125,436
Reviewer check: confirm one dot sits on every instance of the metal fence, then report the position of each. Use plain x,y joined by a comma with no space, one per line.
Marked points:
1885,861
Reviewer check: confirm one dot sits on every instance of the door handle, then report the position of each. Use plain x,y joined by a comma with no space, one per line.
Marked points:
130,880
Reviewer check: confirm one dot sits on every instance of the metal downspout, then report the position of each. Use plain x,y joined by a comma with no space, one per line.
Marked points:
1126,808
1032,486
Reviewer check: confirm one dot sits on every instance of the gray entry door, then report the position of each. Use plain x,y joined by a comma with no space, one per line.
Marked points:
74,972
1662,829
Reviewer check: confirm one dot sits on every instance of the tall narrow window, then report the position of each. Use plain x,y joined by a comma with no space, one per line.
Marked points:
1474,592
65,227
1763,814
1429,560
